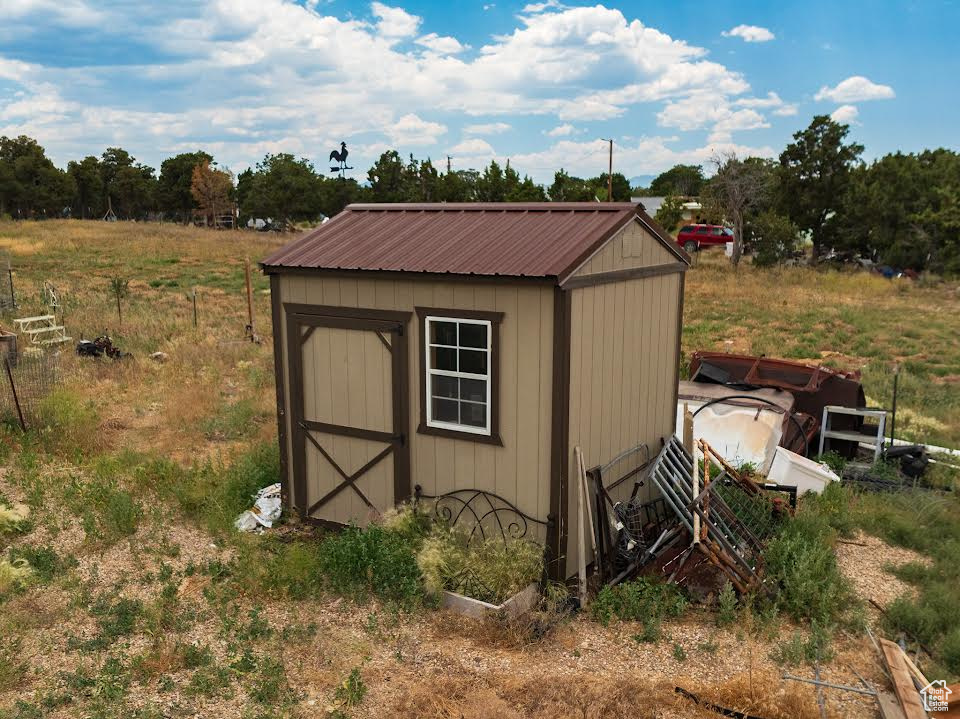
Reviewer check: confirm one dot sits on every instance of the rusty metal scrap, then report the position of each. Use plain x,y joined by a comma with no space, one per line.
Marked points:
813,386
736,517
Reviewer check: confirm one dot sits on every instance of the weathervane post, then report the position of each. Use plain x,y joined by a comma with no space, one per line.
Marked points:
341,158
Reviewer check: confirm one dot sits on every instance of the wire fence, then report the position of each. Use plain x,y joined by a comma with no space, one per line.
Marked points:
26,379
7,300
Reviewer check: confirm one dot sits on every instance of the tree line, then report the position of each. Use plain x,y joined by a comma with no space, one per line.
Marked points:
281,186
901,209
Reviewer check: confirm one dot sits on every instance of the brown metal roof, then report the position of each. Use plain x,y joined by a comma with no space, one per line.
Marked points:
542,239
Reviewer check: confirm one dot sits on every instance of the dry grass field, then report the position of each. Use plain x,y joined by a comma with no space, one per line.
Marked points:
141,601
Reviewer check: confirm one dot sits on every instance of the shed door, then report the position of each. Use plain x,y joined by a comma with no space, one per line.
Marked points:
349,392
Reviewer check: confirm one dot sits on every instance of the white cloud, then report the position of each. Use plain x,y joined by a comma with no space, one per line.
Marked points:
473,147
412,130
243,77
645,155
73,13
561,130
771,102
855,89
394,22
489,128
541,6
750,33
845,114
443,45
707,110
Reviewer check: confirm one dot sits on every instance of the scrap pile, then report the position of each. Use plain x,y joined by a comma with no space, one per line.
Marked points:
708,524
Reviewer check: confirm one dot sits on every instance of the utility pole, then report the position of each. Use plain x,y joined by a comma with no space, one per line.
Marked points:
448,164
610,172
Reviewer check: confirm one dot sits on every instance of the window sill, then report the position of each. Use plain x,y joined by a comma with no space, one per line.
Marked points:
493,438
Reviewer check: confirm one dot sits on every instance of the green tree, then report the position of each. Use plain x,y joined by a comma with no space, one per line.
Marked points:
88,182
130,187
773,237
738,189
174,194
680,180
282,188
30,184
621,187
458,186
492,185
670,214
566,188
387,178
897,209
814,177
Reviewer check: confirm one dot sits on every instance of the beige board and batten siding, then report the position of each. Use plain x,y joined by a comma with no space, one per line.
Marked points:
519,471
632,247
623,364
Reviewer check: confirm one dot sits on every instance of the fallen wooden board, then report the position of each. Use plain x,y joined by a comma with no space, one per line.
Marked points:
889,706
907,694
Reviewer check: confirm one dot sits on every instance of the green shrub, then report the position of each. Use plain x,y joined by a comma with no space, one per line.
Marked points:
834,460
643,599
800,649
115,619
351,690
374,561
107,511
833,506
801,564
44,561
726,605
774,239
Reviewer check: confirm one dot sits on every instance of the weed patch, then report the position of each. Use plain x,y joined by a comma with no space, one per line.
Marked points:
44,561
642,600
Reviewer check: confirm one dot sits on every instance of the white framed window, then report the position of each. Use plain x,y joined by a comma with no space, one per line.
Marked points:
458,373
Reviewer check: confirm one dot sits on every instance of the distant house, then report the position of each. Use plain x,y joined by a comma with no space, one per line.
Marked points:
650,204
691,210
465,350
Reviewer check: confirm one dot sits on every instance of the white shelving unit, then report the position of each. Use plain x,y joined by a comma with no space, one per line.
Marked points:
876,440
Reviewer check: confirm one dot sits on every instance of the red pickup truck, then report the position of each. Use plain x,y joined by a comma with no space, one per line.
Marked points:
694,237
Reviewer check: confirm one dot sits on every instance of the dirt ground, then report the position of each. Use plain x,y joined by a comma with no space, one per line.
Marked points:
432,663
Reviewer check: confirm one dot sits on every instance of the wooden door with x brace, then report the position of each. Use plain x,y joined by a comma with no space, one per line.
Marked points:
349,393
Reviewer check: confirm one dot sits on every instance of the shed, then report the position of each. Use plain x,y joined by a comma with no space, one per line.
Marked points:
462,351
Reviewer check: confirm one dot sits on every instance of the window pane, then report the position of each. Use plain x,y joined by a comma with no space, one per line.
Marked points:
473,335
443,386
473,361
474,390
443,358
445,410
473,414
443,333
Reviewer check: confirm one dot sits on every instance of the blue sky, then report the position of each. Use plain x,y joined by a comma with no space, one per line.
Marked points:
538,83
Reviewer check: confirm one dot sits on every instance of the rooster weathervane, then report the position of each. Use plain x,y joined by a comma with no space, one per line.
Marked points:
341,158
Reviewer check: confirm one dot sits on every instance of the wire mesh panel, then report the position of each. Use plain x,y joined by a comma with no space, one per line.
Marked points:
7,300
25,380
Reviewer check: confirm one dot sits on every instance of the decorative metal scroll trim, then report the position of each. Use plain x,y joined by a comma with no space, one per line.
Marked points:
485,508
